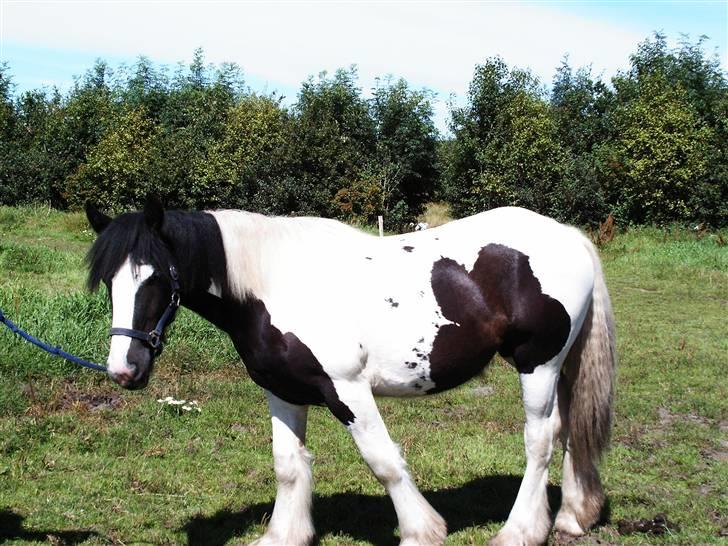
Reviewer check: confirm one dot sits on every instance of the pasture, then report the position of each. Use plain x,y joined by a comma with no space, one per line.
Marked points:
84,462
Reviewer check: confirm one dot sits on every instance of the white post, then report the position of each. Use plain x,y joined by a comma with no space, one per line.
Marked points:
380,219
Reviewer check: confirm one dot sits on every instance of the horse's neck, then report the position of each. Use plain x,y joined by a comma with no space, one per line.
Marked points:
263,254
249,239
212,308
260,250
226,271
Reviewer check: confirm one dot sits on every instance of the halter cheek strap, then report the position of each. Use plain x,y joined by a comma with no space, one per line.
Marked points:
154,338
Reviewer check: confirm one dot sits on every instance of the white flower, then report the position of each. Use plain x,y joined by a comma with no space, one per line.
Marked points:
181,404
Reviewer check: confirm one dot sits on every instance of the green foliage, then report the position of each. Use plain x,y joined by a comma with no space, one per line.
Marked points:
666,158
121,168
648,147
659,152
9,148
81,122
247,164
405,164
333,139
194,120
506,148
7,113
580,107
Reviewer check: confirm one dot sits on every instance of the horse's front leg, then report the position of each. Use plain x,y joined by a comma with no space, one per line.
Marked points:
291,522
419,523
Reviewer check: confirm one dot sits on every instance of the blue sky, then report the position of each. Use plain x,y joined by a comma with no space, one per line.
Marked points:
279,44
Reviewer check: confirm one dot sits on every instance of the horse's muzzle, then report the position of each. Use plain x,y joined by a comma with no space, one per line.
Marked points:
130,378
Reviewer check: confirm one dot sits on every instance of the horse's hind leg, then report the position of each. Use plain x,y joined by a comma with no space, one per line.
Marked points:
291,522
529,521
419,523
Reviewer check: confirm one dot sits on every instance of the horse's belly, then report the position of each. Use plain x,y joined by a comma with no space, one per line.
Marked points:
409,379
409,372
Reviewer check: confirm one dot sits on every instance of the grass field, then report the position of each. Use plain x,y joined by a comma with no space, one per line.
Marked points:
84,462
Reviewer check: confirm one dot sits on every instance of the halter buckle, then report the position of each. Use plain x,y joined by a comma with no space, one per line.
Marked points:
154,339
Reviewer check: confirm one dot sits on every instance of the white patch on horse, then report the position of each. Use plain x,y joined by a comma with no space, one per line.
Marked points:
264,252
242,236
124,287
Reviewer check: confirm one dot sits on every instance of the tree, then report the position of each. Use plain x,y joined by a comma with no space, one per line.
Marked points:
9,149
333,140
192,123
506,150
659,153
78,126
144,86
36,170
249,164
405,162
580,107
667,159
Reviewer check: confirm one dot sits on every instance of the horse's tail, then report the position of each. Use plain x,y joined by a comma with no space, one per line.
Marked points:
589,382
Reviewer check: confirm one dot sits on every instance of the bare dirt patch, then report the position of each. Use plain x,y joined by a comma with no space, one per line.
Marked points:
719,454
70,397
667,418
659,525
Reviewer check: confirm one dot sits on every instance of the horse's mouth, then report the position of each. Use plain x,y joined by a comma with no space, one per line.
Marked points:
137,384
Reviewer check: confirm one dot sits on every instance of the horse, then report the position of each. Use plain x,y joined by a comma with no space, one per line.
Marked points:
322,313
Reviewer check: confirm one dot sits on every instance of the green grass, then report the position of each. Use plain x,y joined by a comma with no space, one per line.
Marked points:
84,462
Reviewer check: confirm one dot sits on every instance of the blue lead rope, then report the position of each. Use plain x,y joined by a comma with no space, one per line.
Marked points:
57,351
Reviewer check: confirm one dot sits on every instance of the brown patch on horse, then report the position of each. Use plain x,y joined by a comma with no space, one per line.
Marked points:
277,361
498,306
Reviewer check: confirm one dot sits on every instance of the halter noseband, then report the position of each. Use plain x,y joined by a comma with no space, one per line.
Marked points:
154,338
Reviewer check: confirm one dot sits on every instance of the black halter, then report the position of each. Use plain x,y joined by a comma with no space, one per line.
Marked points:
154,338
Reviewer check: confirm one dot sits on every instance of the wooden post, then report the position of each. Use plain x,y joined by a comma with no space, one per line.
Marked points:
380,219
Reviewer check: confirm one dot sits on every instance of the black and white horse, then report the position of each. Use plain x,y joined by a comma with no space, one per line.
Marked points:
324,314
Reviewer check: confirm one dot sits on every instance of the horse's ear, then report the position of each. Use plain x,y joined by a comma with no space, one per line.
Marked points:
96,218
154,212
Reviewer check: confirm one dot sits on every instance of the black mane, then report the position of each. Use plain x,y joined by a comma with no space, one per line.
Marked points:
127,235
191,241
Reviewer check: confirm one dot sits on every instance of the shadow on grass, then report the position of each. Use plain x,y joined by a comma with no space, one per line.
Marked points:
11,528
371,518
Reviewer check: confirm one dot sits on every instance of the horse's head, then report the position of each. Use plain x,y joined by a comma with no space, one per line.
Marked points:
130,256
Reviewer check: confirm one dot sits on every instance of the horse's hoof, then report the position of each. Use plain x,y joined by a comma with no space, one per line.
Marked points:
566,522
513,537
